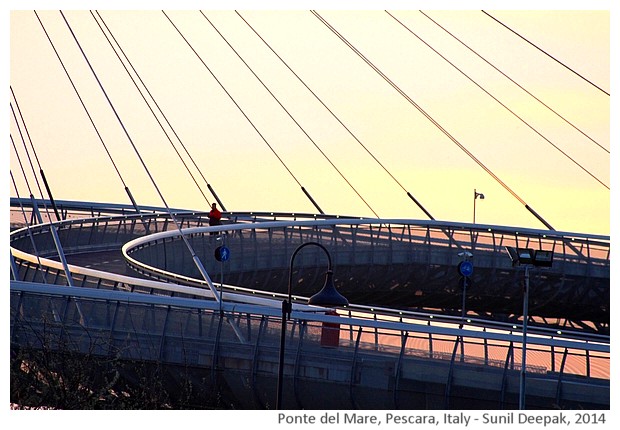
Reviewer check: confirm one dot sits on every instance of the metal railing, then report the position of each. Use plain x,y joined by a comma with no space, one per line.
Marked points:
402,256
413,253
362,242
190,332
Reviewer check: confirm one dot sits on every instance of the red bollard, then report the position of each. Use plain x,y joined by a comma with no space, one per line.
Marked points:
330,332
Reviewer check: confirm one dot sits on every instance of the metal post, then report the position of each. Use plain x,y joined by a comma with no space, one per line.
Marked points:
216,197
221,283
35,210
14,269
221,238
61,254
526,292
285,312
465,268
475,195
287,307
49,193
465,279
133,201
463,312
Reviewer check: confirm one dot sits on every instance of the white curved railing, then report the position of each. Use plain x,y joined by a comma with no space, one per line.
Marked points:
597,246
409,245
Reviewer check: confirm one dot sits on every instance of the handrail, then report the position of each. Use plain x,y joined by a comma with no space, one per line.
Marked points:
252,295
255,296
158,211
202,293
137,243
270,299
322,317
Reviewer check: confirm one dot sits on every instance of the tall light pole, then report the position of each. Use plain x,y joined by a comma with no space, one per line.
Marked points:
328,296
477,195
528,258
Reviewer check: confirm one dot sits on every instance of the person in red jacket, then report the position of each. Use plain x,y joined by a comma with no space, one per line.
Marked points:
215,216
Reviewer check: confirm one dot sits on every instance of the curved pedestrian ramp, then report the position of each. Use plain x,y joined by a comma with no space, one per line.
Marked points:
117,304
331,362
401,264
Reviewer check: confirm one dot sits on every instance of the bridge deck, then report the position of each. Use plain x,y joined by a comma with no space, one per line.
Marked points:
376,359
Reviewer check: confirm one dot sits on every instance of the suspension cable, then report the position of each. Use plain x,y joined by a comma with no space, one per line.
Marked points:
41,172
21,166
36,179
243,113
335,116
545,52
500,103
431,119
30,235
35,207
516,83
52,228
148,104
34,152
195,258
90,118
290,116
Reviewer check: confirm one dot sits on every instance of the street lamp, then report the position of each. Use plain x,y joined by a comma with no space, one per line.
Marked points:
477,195
528,258
327,296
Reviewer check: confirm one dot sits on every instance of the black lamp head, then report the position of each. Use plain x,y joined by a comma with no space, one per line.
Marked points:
328,296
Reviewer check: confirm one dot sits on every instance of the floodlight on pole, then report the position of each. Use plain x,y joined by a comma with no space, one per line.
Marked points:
480,196
528,258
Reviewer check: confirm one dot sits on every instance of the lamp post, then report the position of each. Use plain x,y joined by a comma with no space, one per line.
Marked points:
327,296
528,258
477,195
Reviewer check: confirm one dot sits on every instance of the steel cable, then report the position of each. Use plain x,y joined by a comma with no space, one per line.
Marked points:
291,116
77,93
155,103
242,112
195,258
501,104
545,52
335,116
431,119
516,83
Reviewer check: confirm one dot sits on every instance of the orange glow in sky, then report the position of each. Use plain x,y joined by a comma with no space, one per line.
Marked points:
559,167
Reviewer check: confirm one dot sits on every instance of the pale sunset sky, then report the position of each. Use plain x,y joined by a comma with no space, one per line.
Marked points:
557,163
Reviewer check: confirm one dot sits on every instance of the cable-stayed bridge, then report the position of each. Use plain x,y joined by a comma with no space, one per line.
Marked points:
173,321
137,287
